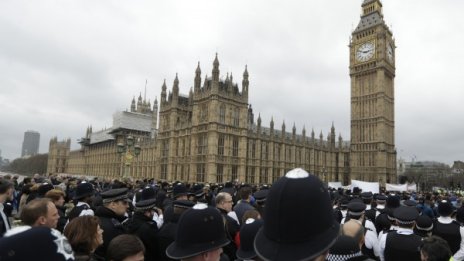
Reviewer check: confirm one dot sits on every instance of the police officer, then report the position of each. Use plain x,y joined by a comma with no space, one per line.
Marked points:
402,244
167,233
143,226
84,196
356,211
370,213
200,235
304,232
112,214
449,229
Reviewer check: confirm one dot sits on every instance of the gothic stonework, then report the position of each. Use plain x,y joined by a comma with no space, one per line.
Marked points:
211,135
372,72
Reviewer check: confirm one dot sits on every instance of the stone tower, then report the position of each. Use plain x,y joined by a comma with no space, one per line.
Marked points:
372,72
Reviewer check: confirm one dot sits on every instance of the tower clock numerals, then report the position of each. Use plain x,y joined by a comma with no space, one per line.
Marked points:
365,52
390,52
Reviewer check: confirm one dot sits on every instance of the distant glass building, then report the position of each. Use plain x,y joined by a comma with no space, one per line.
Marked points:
31,143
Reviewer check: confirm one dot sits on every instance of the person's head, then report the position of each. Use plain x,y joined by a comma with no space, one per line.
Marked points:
43,189
248,232
146,207
354,229
57,196
367,197
435,249
445,208
27,180
6,190
381,200
299,223
245,193
84,234
40,212
344,248
356,209
252,213
200,235
224,201
125,248
116,200
84,192
406,216
36,243
179,191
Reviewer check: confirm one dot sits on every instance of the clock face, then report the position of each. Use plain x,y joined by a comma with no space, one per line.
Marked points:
390,52
365,52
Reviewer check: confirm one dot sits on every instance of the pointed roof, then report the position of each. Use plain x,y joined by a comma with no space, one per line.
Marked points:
164,85
198,70
216,61
245,73
370,17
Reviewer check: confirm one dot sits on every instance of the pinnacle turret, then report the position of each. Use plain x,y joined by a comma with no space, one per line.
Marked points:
216,69
197,81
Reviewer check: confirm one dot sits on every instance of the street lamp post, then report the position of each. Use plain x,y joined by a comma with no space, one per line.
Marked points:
324,174
128,150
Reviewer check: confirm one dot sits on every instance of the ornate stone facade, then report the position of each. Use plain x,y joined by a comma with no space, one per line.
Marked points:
372,72
58,155
211,135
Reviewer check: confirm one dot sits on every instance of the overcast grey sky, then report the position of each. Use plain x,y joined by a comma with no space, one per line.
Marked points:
65,65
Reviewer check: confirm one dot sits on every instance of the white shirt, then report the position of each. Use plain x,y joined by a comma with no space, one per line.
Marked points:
383,240
459,255
158,219
370,237
85,212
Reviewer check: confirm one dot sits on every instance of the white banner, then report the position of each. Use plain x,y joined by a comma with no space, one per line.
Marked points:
365,186
396,187
401,187
412,187
335,185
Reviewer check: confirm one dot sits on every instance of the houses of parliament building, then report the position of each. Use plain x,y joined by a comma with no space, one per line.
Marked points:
212,135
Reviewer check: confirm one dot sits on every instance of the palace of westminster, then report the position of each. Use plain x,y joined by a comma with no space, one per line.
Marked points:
211,134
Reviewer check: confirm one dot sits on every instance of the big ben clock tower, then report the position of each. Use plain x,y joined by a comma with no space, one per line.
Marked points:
372,72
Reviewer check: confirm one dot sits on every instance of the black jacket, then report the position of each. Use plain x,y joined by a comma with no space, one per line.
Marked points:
62,220
146,229
112,227
167,233
231,227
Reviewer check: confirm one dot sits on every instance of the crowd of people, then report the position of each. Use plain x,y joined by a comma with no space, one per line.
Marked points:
296,218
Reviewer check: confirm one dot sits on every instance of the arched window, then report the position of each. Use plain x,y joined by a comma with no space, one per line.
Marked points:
222,114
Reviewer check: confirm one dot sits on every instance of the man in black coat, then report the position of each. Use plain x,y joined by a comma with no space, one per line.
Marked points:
167,232
6,193
224,204
112,214
143,226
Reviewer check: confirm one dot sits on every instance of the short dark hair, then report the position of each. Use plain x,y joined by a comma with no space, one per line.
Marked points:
245,192
5,185
436,249
124,246
27,180
33,210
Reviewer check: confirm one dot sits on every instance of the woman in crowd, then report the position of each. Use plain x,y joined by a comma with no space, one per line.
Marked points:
84,235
